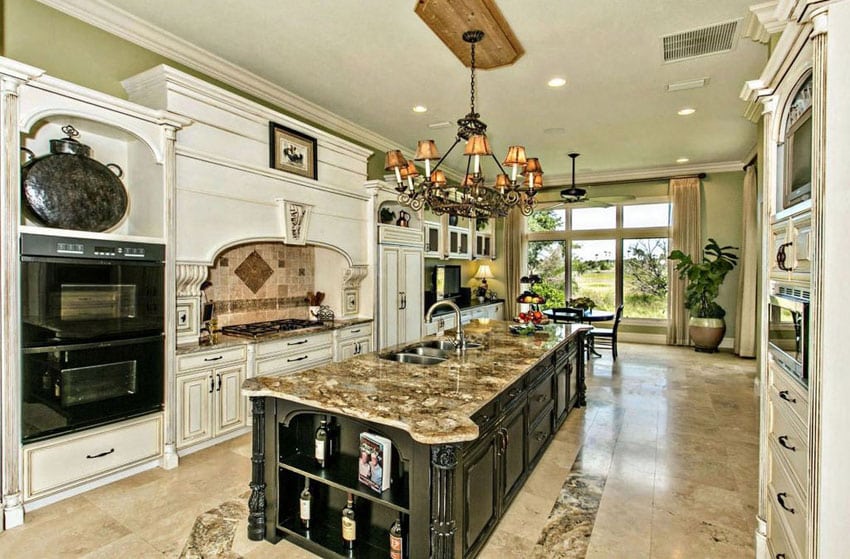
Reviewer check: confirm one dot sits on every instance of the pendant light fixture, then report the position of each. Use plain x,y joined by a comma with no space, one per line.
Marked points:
475,196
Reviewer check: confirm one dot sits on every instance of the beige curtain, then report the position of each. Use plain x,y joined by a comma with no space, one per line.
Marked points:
685,235
745,321
514,230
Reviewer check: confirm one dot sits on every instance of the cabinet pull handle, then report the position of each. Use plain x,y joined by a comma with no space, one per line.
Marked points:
504,441
356,331
218,389
212,384
356,348
297,359
540,436
780,497
781,257
214,358
780,556
540,397
784,395
102,454
783,440
297,343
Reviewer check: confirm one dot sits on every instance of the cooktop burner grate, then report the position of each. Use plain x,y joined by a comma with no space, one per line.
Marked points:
258,329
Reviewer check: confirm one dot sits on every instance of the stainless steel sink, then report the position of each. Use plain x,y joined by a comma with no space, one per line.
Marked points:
426,350
414,358
445,345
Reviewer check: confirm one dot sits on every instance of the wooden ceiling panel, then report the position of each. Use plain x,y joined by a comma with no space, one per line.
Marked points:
448,19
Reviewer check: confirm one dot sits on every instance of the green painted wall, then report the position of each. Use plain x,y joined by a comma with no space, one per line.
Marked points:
77,52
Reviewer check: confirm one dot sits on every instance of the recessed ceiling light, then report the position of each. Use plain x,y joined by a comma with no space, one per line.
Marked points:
420,109
682,160
686,111
557,82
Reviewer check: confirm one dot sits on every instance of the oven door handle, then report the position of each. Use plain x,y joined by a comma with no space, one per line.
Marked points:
93,345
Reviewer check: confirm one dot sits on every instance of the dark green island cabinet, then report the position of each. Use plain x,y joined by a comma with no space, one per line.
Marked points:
465,436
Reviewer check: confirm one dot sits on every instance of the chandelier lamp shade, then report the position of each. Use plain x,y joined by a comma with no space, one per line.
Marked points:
476,195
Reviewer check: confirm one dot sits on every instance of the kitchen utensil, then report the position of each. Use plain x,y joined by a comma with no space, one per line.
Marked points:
68,189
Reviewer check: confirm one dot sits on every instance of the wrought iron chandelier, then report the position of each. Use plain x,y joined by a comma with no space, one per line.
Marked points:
473,197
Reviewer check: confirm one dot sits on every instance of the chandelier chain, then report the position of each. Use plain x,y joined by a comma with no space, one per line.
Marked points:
472,81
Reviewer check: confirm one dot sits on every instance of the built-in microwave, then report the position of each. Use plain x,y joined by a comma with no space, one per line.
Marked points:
788,331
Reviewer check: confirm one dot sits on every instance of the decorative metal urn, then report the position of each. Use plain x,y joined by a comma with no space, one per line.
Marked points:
68,189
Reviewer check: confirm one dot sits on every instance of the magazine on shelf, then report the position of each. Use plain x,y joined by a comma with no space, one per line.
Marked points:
375,461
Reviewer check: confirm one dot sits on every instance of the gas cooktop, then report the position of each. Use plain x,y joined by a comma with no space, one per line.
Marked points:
259,329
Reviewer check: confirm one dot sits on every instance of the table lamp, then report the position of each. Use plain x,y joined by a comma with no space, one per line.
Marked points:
483,274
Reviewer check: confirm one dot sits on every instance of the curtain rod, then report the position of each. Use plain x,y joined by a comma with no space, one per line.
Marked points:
631,181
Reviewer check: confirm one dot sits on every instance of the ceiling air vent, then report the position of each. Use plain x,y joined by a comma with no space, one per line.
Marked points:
700,42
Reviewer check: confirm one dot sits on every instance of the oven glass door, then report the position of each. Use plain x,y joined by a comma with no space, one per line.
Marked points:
74,386
69,300
787,333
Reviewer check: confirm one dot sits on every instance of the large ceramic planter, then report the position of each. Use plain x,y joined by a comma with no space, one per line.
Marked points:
706,333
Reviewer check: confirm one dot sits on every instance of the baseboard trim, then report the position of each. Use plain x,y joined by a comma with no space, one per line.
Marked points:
181,452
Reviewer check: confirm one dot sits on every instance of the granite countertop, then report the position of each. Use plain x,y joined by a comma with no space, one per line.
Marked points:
225,341
432,403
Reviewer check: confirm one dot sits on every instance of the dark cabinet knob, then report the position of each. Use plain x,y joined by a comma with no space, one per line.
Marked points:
783,440
781,257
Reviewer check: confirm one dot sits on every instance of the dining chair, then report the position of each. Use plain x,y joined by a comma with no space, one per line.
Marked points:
561,315
607,336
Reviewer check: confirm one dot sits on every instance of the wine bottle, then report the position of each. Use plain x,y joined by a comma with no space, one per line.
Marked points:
306,501
396,540
321,440
349,524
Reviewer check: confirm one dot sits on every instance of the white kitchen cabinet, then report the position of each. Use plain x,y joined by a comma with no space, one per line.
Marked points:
292,354
400,297
434,239
209,398
446,237
485,242
352,341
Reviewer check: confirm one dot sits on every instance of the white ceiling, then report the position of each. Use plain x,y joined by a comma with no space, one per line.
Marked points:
371,61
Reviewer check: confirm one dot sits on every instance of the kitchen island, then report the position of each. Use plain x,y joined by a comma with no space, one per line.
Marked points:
465,435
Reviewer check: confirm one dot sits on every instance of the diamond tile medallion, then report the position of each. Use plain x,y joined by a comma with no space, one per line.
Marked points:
254,271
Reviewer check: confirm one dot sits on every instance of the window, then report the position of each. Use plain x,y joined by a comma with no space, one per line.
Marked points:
611,255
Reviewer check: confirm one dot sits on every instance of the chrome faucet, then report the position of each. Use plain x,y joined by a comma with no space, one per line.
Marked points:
459,341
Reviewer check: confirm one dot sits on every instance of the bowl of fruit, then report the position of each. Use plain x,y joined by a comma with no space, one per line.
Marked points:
530,298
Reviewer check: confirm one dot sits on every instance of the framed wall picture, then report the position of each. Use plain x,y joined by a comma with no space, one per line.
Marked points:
292,151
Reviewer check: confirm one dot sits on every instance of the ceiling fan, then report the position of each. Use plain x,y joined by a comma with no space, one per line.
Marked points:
577,196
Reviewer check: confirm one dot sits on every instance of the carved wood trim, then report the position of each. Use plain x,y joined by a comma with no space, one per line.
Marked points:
257,500
444,460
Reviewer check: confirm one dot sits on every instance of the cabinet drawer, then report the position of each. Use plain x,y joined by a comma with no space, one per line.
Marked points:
782,491
67,461
485,416
212,358
564,352
292,362
539,434
789,393
778,540
511,395
790,443
358,331
295,344
539,397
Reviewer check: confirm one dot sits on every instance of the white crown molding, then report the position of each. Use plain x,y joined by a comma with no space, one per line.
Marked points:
19,70
558,181
103,15
792,40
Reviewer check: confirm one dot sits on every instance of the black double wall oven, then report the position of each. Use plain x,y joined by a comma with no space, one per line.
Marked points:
92,332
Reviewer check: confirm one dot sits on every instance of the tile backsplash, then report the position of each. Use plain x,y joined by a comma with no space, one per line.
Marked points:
261,281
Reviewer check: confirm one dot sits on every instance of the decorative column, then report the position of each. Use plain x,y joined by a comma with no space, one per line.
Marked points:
443,463
12,77
768,180
257,500
816,358
169,457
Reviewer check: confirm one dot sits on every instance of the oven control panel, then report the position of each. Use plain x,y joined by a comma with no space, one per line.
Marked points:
46,245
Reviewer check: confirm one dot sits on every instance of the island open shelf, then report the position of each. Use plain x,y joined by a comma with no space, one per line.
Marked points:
465,435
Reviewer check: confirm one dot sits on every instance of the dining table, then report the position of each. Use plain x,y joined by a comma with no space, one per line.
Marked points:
588,315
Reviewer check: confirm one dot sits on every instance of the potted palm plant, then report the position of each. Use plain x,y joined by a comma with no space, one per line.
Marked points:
706,326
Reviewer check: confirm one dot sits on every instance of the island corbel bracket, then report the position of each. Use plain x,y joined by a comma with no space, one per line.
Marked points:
443,463
257,500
